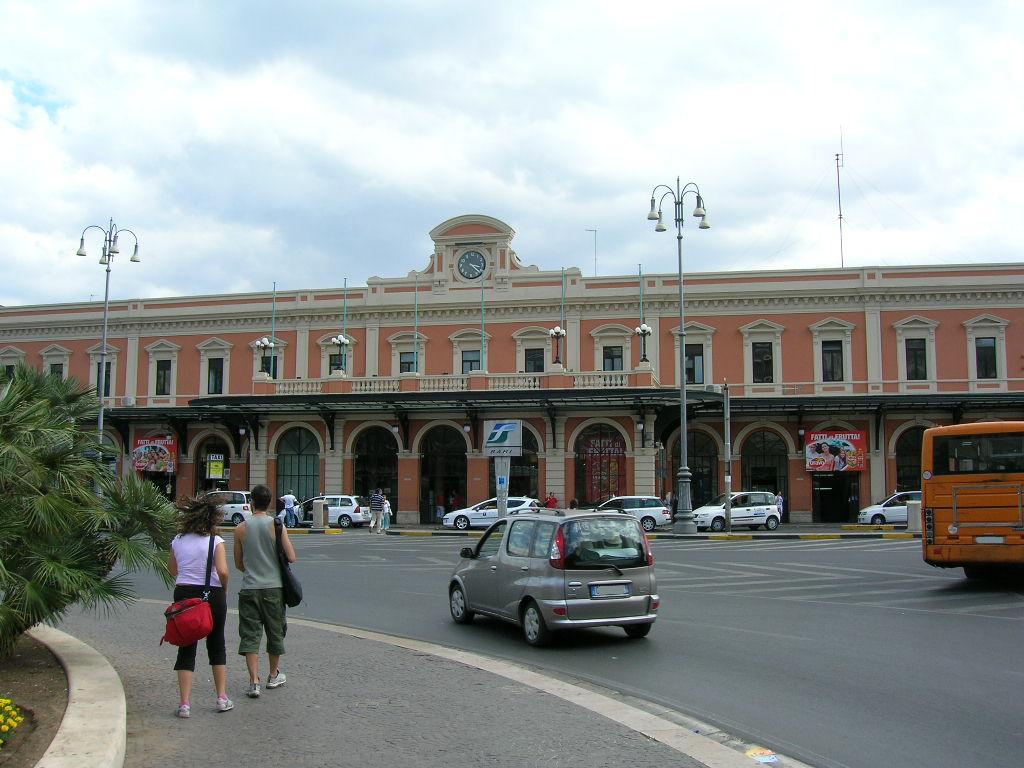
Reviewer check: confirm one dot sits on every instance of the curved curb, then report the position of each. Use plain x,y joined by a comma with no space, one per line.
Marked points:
94,729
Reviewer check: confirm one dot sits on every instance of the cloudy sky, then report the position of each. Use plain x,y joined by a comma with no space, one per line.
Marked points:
309,142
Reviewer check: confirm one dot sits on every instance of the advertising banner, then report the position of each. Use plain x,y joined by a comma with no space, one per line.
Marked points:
155,454
835,452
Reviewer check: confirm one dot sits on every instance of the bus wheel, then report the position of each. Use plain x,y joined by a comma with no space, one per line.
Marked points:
976,572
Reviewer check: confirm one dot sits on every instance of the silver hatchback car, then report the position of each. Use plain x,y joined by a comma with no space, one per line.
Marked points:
549,570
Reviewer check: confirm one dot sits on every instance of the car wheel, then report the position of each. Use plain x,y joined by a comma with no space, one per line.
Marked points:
878,519
535,631
636,631
718,524
238,518
771,524
344,521
649,523
457,604
462,522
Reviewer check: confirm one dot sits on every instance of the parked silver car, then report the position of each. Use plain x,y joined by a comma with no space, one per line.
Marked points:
649,510
549,570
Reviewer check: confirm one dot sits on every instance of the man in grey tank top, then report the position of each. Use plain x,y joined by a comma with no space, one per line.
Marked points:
261,599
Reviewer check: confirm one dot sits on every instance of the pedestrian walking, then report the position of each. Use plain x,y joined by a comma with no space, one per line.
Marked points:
385,516
290,518
376,508
187,564
261,599
780,503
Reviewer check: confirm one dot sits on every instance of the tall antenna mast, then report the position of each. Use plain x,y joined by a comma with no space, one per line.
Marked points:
839,194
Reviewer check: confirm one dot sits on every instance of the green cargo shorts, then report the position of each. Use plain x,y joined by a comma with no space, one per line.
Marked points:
259,610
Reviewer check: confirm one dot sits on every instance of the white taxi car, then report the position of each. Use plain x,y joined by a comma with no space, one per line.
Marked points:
486,512
750,508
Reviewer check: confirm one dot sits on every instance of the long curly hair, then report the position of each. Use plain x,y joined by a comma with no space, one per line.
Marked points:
200,516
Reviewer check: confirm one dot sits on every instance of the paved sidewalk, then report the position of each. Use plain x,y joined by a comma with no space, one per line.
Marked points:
351,702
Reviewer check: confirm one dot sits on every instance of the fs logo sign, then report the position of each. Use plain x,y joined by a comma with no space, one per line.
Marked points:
504,438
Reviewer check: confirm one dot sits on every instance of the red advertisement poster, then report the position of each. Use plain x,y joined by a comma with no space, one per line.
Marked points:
835,452
154,454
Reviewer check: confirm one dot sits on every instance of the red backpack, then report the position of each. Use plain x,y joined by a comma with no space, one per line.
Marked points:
190,620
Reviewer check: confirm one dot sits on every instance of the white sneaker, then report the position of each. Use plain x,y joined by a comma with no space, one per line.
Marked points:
254,690
225,704
276,681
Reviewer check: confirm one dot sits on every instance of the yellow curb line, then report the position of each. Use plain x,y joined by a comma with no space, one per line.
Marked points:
334,532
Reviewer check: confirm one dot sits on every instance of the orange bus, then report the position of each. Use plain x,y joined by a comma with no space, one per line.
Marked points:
972,498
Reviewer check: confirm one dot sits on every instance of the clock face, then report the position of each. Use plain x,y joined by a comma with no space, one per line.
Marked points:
472,265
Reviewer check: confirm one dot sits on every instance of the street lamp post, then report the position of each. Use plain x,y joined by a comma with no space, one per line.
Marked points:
643,331
557,334
342,342
683,521
110,250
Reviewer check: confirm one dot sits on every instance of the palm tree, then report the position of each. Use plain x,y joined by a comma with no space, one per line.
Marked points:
65,520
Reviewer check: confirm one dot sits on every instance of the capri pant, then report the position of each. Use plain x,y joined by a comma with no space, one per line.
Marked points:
215,647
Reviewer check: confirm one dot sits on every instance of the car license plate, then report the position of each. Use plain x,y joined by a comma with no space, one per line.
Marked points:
989,540
609,590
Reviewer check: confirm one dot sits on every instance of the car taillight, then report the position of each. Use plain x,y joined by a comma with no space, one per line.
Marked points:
650,554
556,555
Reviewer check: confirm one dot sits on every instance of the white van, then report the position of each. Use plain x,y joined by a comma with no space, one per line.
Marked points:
749,508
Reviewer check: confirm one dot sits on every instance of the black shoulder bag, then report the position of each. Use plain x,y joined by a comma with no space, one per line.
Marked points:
289,581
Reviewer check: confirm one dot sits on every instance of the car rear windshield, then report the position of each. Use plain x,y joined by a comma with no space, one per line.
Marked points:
599,543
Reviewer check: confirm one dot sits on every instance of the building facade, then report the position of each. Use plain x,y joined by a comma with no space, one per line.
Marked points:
832,376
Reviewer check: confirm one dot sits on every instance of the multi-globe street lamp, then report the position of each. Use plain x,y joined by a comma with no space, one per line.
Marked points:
643,331
263,345
342,342
110,250
557,334
683,520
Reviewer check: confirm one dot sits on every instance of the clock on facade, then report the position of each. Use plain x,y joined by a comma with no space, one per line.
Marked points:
472,265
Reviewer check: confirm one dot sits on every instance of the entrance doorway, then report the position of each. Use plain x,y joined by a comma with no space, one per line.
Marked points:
835,496
375,459
442,473
213,466
763,465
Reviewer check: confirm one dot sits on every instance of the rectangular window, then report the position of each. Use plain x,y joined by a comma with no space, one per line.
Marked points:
985,357
336,362
917,359
57,370
215,376
268,364
612,358
104,378
9,371
533,360
762,362
694,363
470,360
163,377
831,361
407,362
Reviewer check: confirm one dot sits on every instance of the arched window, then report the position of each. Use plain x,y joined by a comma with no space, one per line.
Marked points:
522,475
764,464
442,473
298,464
908,460
702,456
375,457
600,464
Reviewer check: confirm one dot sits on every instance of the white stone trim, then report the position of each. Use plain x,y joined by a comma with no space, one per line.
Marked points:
214,347
10,356
533,337
94,360
468,339
696,333
157,351
327,349
405,341
916,327
278,352
833,329
612,335
55,353
762,331
984,326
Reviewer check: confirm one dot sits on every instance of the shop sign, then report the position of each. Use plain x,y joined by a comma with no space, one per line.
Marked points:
215,466
155,454
835,452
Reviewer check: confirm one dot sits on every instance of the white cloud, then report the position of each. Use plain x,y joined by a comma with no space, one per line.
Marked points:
245,147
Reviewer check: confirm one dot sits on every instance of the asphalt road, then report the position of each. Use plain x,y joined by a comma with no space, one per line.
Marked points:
840,653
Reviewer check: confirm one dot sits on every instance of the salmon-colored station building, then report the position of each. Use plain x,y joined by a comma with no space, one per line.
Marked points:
832,376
